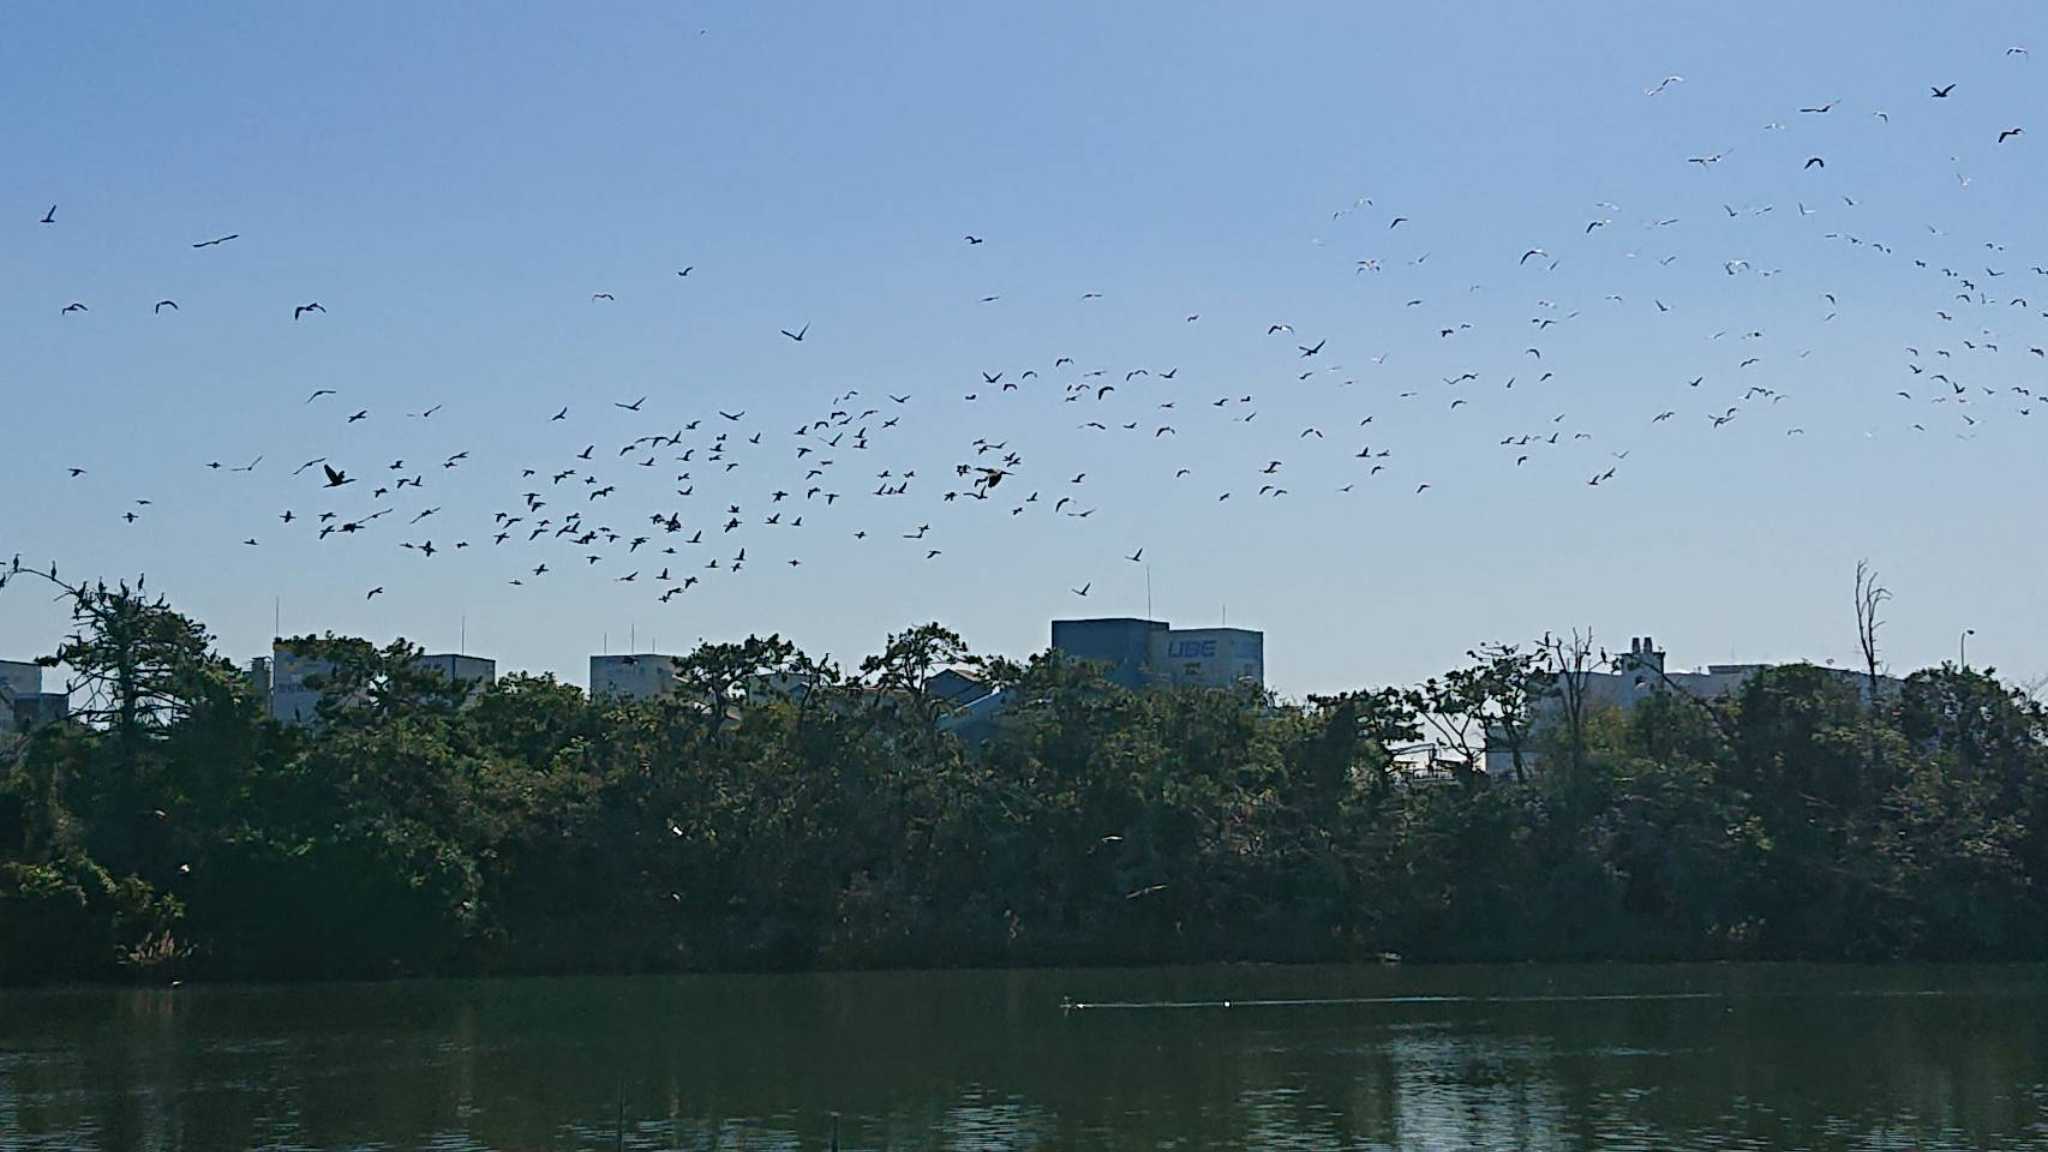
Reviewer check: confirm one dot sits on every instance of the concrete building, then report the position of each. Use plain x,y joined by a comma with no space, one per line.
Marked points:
23,703
283,677
42,708
1640,673
1121,644
1641,670
1208,657
475,671
292,700
1139,653
20,678
641,676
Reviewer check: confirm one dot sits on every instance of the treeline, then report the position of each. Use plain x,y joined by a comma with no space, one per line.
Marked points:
174,831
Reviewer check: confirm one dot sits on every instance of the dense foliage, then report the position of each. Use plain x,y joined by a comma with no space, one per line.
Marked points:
782,813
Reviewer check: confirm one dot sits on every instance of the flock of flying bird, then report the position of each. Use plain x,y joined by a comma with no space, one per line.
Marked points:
682,501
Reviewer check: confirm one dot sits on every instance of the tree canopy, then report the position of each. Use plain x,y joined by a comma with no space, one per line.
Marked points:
776,812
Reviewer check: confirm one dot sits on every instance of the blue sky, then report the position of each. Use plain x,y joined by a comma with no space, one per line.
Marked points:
453,183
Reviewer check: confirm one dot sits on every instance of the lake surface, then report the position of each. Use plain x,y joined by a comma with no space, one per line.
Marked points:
1707,1057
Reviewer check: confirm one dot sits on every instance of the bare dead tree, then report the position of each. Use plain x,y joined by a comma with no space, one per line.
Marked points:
1870,596
1572,666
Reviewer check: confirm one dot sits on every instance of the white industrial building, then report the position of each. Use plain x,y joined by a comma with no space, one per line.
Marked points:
1640,671
292,701
639,676
282,678
1639,674
1208,657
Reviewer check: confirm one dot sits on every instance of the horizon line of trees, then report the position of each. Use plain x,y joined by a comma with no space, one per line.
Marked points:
172,829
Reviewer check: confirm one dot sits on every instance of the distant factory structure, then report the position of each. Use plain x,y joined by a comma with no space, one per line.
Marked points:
23,703
1137,653
292,678
476,671
1640,674
637,676
1131,652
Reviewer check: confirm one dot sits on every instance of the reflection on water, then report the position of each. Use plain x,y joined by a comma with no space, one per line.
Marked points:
1526,1057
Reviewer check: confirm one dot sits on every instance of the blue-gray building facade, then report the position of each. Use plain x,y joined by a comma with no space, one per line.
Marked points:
1137,653
1121,644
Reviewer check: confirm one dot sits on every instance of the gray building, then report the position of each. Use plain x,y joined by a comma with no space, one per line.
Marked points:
284,676
1639,673
475,671
18,678
23,703
1641,670
1138,653
639,676
1122,645
292,700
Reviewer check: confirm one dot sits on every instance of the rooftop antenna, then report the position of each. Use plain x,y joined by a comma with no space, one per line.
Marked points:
1148,591
276,616
462,645
607,643
1226,614
633,639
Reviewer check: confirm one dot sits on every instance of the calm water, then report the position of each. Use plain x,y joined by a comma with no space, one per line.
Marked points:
1402,1057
